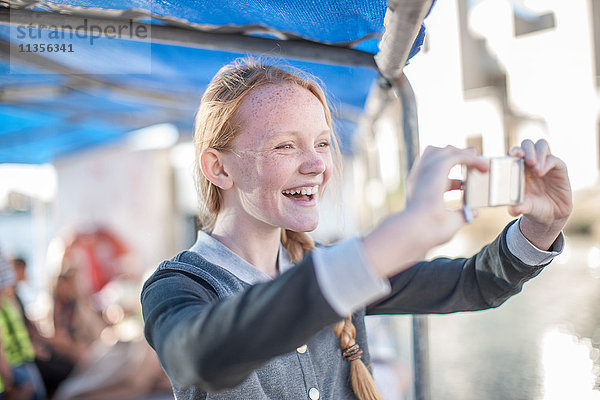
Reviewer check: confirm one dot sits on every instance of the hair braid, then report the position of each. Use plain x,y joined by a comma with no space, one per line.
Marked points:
296,243
363,385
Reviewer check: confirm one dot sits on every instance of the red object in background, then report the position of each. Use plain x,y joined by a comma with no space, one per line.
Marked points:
97,255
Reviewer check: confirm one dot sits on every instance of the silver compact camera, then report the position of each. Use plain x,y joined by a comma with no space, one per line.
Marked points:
503,184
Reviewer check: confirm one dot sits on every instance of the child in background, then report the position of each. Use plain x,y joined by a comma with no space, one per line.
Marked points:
53,367
23,376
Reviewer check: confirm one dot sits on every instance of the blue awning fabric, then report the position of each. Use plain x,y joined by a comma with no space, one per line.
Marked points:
106,87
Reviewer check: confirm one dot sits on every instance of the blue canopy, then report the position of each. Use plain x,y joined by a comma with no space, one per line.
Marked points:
85,90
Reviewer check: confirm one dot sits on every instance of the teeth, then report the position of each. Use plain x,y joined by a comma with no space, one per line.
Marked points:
304,191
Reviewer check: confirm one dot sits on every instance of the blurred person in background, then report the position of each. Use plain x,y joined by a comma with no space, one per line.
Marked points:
255,311
54,368
24,379
77,324
19,266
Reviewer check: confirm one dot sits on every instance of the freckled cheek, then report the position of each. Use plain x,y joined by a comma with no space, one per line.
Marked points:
252,173
273,176
277,168
245,179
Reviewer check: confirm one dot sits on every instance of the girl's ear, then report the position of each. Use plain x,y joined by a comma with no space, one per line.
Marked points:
211,163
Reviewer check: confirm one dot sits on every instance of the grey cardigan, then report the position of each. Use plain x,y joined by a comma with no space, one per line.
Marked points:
218,337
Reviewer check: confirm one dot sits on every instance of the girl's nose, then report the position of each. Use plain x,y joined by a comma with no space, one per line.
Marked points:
313,163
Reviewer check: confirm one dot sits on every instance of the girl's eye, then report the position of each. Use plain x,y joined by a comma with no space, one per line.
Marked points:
323,144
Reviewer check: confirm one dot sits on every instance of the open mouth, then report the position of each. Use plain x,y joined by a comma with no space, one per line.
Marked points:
306,193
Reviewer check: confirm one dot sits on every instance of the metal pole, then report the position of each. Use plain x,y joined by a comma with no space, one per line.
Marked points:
403,20
410,128
420,331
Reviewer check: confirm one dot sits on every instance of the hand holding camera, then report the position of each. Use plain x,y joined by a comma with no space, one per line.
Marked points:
548,202
532,182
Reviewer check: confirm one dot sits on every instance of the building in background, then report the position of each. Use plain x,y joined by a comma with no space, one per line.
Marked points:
492,73
496,71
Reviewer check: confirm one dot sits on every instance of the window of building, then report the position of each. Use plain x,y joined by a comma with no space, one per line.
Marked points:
527,21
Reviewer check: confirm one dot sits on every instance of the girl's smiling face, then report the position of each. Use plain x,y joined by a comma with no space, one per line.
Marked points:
280,160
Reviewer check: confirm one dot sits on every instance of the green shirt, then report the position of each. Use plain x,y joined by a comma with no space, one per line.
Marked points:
15,337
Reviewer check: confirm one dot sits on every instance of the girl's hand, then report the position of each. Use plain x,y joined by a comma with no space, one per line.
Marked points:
428,181
404,238
548,199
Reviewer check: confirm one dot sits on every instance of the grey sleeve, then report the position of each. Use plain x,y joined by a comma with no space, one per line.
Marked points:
348,282
525,251
345,277
445,285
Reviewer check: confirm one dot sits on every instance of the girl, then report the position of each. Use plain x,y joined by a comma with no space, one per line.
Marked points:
252,311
